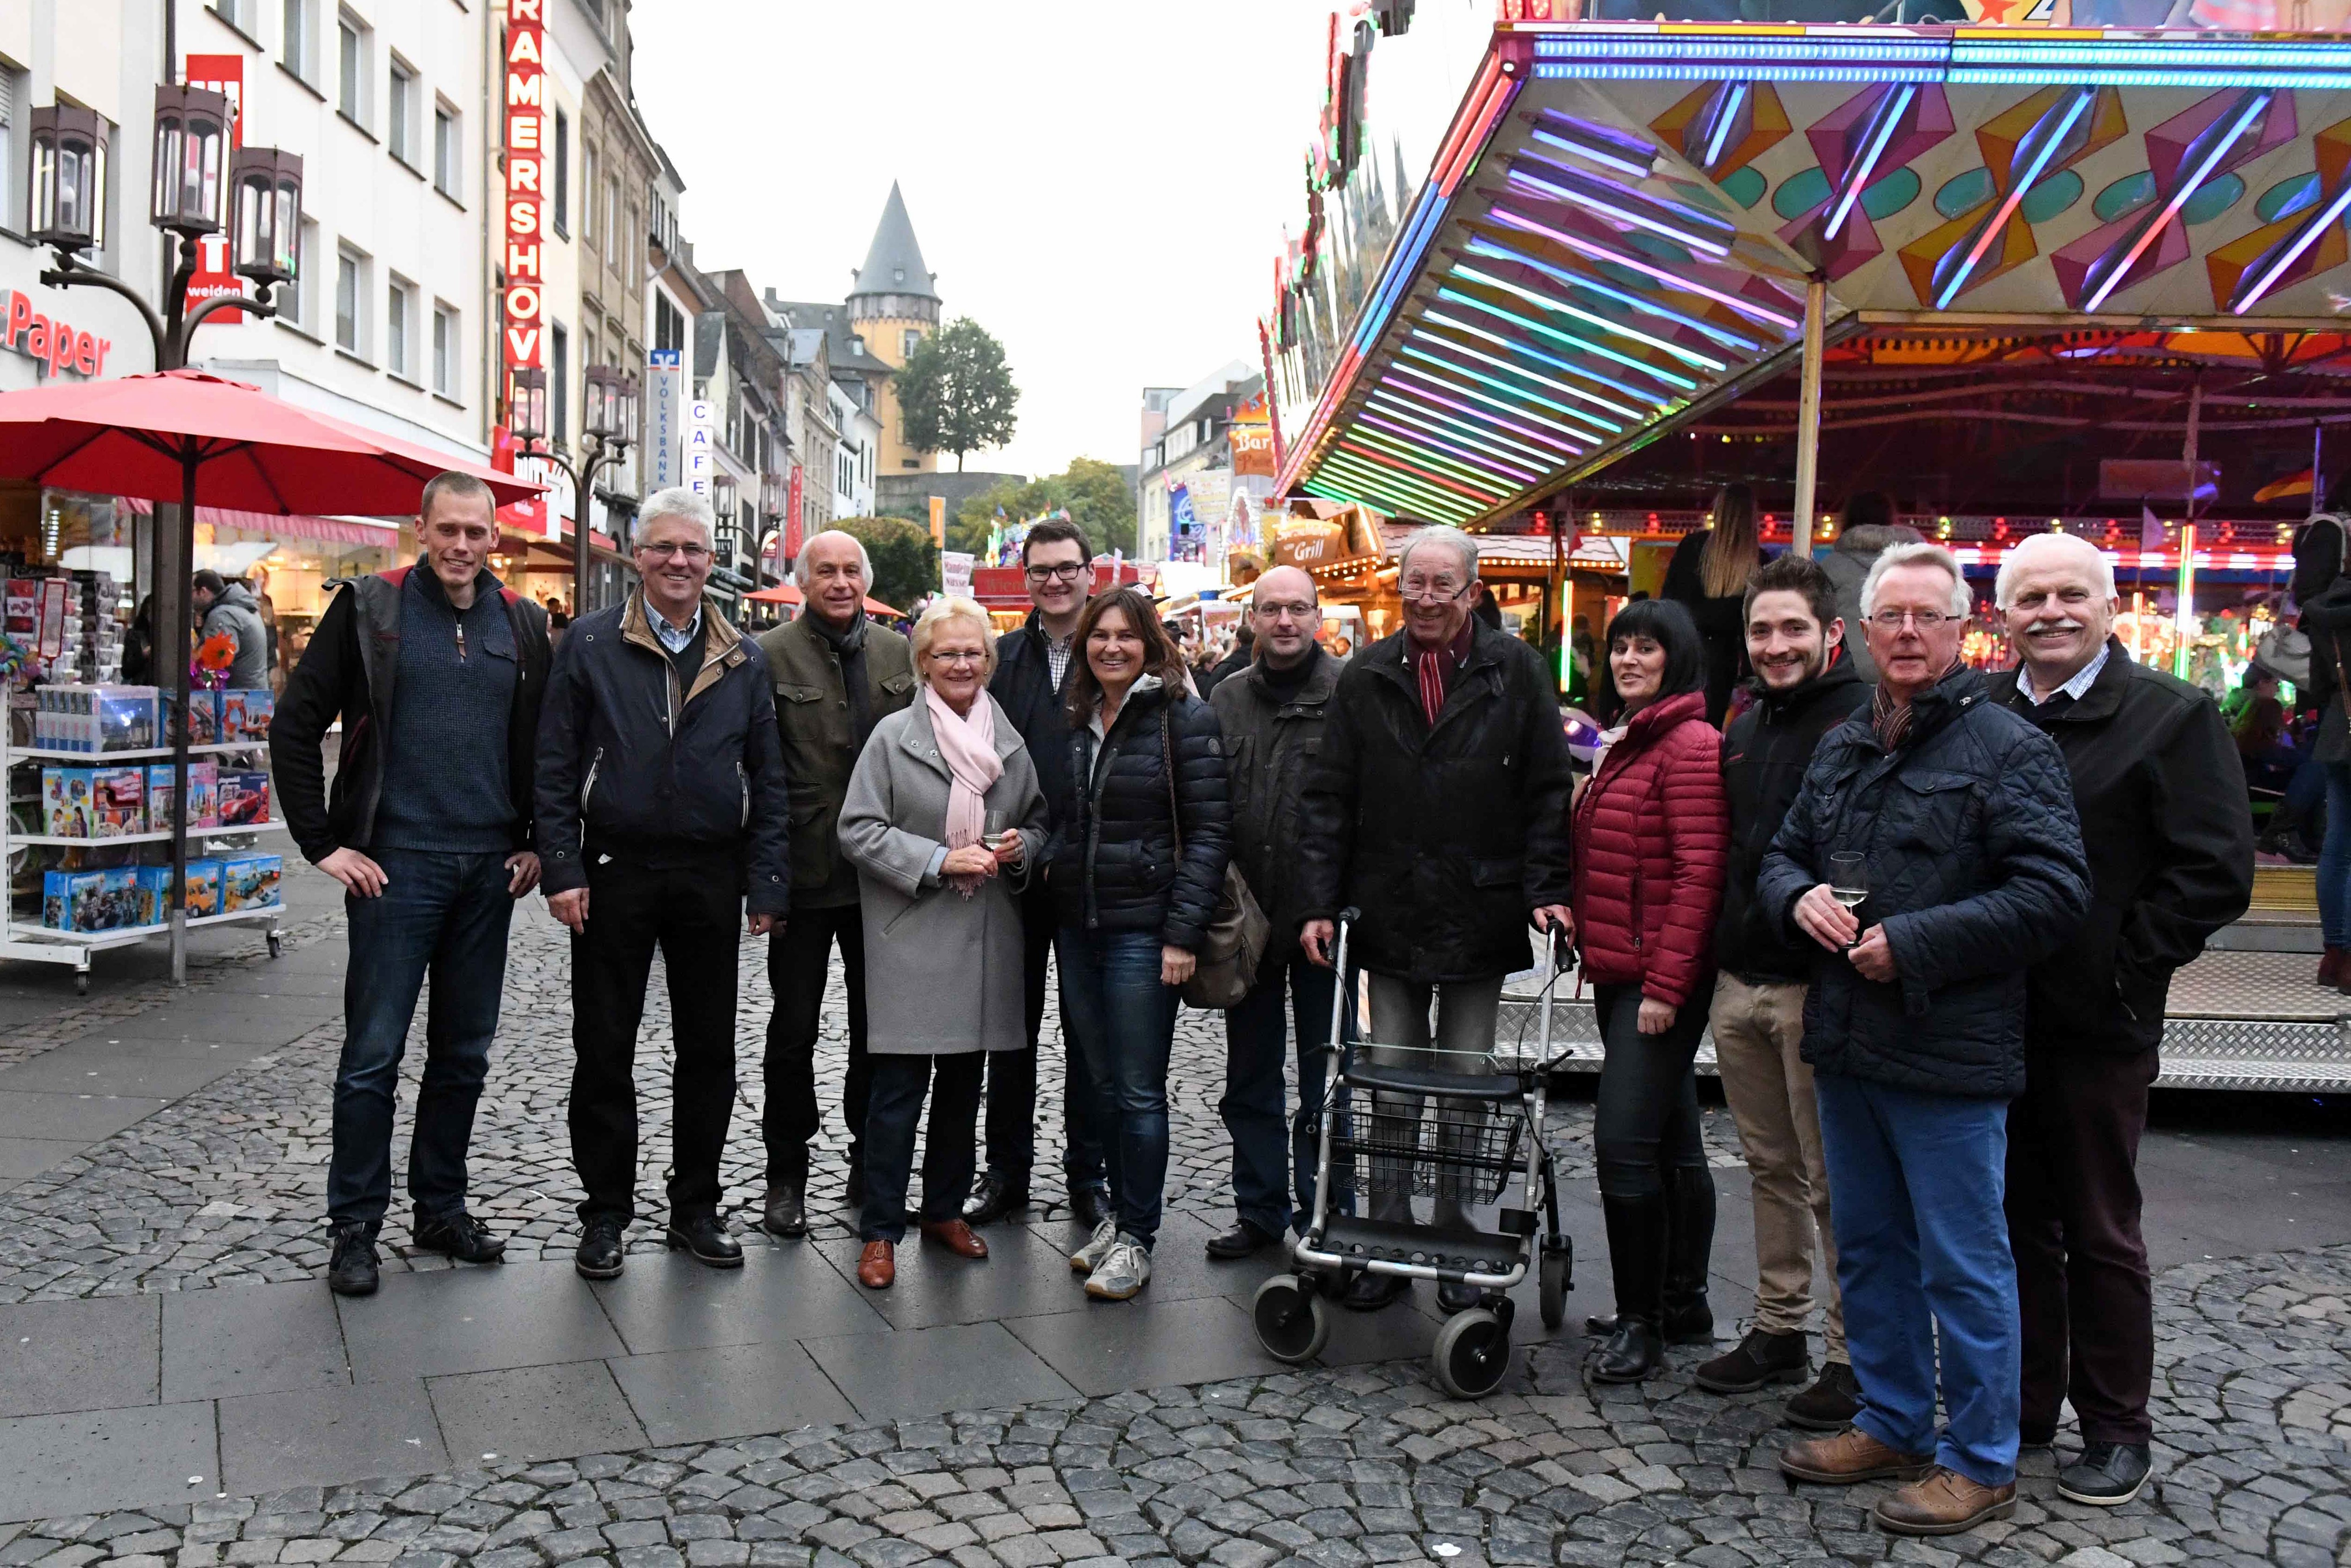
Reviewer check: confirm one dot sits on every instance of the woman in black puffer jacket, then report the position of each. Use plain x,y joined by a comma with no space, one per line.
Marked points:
1137,865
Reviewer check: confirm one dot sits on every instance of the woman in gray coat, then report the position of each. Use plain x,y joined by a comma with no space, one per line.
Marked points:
944,821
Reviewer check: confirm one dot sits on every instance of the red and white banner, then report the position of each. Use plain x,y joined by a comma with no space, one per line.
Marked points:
215,277
792,529
526,193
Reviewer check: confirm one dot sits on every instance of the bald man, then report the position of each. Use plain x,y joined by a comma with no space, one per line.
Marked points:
2169,833
1271,713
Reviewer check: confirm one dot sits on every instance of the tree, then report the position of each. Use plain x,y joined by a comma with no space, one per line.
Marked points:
905,562
955,393
1094,493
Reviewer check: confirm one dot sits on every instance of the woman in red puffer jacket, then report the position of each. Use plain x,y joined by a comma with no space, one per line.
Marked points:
1652,837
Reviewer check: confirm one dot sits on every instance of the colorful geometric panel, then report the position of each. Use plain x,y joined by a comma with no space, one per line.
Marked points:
1726,126
2307,239
1871,135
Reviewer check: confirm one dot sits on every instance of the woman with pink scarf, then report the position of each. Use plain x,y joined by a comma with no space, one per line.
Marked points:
944,823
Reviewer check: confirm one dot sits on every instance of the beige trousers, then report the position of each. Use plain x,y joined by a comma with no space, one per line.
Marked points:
1757,1031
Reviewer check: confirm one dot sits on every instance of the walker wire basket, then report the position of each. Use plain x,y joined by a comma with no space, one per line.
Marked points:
1464,1151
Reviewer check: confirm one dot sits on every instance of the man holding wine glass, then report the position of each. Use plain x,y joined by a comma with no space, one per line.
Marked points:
1972,871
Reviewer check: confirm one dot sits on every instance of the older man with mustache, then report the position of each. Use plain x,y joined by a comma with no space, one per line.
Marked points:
2169,834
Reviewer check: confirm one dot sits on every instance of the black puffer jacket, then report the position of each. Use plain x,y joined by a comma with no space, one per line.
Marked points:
1114,849
1976,871
1445,839
1763,760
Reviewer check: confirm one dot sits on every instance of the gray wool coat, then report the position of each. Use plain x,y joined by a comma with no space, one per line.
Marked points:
942,972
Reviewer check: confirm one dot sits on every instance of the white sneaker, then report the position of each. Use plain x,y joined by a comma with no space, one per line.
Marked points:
1124,1272
1088,1259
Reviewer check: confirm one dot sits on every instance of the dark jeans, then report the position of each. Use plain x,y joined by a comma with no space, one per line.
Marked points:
948,1152
1118,1014
2082,1281
2334,859
1012,1075
1647,1116
445,915
693,914
1256,1042
799,957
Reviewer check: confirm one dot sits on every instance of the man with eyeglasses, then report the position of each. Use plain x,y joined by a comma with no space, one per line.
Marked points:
1438,807
1032,668
1951,819
835,676
662,810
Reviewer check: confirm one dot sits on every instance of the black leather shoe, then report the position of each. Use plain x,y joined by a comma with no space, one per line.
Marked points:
1243,1241
1090,1204
705,1237
1692,1324
854,1195
600,1256
460,1236
2107,1475
1830,1404
351,1269
1455,1297
785,1213
1370,1292
993,1196
1628,1355
1756,1360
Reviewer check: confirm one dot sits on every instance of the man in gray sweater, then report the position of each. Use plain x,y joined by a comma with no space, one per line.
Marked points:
227,609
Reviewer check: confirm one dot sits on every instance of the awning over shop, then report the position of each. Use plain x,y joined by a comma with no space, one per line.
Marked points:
1620,226
363,531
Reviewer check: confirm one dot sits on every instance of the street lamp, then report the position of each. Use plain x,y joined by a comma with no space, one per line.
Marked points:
268,216
191,183
67,179
609,423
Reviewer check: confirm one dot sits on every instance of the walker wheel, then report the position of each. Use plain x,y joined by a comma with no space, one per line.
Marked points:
1472,1354
275,946
1292,1321
81,982
1553,1296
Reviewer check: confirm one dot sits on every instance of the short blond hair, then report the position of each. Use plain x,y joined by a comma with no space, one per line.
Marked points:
949,606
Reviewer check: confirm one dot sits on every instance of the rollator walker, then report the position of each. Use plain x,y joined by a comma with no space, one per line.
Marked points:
1420,1123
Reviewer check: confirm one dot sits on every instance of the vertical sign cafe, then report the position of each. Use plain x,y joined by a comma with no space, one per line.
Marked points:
526,143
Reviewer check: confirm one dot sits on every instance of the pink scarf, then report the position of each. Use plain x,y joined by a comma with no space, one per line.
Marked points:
968,746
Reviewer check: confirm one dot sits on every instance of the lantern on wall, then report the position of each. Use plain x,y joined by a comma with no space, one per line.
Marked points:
66,182
192,161
527,403
268,216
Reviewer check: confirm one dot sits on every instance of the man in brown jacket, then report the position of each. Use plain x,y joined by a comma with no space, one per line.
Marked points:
835,674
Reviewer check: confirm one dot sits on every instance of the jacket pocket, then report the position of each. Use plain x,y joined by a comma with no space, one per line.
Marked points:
1935,811
898,686
798,693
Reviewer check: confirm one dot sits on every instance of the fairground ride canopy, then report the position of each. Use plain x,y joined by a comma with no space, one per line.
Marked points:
1619,227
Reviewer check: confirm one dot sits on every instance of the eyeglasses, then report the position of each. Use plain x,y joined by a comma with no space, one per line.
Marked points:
1924,619
1288,611
664,551
957,656
1066,572
1431,590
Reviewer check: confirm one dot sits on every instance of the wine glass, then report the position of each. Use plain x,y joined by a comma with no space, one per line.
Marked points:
1849,878
992,837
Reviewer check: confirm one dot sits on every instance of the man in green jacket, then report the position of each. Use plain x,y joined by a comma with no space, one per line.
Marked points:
836,675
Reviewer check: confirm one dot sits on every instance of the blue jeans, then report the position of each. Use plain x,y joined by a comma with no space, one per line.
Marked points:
2334,859
1124,1020
446,914
1256,1041
1915,1187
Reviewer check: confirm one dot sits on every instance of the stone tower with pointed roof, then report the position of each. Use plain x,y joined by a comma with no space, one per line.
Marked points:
893,306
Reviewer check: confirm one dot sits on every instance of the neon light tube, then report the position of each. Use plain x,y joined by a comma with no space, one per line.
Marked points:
1386,400
1663,345
1403,443
1720,129
1610,159
2114,276
1396,488
1900,99
1738,302
1494,250
1543,187
1356,442
1540,379
1470,461
1429,401
2293,251
2082,99
1570,433
1372,466
1601,426
1680,383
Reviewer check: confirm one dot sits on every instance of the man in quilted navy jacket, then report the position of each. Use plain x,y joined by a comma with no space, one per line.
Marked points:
1963,817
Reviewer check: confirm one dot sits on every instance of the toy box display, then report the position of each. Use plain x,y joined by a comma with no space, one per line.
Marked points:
93,900
206,880
118,801
251,880
66,811
244,798
205,706
245,715
204,794
162,798
97,718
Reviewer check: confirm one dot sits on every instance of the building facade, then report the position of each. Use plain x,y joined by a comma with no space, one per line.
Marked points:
893,306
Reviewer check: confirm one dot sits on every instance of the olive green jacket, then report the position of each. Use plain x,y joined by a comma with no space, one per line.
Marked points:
820,751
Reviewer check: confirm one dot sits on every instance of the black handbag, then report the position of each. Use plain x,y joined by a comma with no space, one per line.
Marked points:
1238,932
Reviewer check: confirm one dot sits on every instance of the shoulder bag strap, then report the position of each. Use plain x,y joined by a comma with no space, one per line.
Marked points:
1167,760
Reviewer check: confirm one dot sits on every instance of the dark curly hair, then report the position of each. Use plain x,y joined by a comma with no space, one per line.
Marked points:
1161,656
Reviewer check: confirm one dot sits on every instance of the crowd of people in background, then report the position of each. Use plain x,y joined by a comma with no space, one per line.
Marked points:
1930,917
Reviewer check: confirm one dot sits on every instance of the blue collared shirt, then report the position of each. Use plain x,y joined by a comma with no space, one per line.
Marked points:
2075,688
673,638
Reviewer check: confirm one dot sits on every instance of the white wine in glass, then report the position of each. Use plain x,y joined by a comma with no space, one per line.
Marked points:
1849,878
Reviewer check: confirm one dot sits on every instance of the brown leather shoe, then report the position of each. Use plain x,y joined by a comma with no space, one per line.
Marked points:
2330,970
1853,1455
877,1265
1945,1503
956,1236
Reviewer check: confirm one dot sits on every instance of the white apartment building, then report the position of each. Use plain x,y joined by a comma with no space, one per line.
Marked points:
854,453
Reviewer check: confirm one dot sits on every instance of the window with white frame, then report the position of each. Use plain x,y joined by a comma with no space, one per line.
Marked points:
399,114
399,328
591,186
351,62
297,38
351,300
613,249
448,348
906,343
302,298
237,13
448,152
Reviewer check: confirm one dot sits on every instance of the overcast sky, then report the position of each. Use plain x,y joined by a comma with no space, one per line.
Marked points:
1104,186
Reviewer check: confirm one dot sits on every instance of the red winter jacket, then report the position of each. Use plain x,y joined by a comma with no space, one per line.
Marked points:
1652,837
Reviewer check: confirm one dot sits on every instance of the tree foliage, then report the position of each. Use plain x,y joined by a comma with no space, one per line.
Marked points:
905,562
1095,492
955,393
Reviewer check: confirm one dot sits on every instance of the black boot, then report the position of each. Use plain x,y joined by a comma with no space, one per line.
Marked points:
1689,1246
1636,1256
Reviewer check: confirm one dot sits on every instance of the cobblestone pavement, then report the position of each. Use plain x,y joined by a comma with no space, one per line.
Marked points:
1337,1468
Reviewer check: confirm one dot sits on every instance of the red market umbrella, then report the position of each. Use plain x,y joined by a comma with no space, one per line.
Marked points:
186,436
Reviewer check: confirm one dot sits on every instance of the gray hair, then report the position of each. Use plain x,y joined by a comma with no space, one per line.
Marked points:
1961,601
949,606
1463,547
864,560
2034,546
677,502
